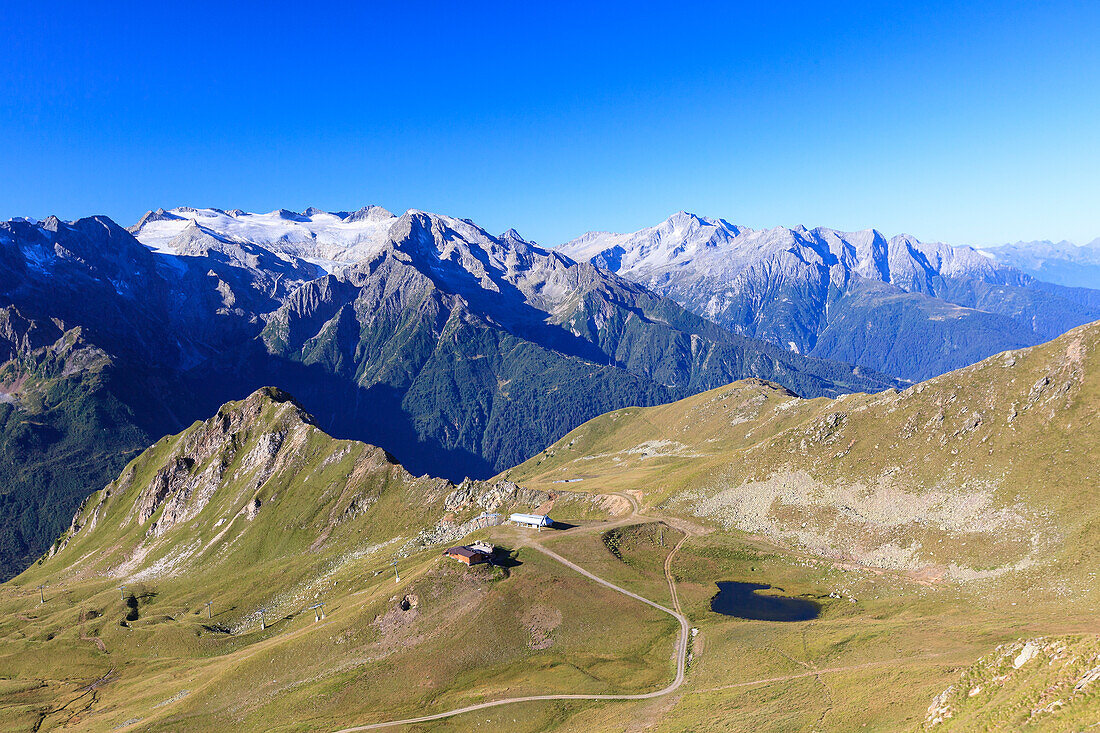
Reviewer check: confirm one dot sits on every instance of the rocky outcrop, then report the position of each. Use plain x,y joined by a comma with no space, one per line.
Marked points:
21,336
491,501
491,497
168,480
1037,683
183,492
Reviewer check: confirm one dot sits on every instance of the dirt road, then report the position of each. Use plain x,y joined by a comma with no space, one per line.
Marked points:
681,647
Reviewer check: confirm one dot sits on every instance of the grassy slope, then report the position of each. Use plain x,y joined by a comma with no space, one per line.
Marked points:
331,516
961,514
1007,448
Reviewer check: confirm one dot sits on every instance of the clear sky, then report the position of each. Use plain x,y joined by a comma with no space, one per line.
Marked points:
969,122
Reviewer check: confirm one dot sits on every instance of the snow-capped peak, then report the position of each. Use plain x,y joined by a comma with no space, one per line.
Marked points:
714,251
369,213
679,238
317,236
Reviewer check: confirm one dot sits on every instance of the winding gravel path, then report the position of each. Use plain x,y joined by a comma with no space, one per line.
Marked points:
681,649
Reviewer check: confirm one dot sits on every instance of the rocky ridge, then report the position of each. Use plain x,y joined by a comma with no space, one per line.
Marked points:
897,305
190,499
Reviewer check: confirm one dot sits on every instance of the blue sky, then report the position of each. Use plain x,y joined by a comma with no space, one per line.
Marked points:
966,122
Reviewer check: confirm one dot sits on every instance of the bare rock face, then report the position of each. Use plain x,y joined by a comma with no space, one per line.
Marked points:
180,507
168,480
18,335
45,347
461,496
473,495
493,496
183,490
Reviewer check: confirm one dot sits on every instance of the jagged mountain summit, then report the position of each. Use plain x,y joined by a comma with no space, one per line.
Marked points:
897,305
459,352
486,339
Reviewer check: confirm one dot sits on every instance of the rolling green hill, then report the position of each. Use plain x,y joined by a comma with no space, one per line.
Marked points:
980,471
972,496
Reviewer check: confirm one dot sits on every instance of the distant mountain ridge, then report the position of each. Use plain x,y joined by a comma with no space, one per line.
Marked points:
460,352
897,305
1061,263
456,318
62,419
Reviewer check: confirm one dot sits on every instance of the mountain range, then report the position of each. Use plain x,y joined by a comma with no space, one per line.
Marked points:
193,549
1062,263
460,352
897,305
253,573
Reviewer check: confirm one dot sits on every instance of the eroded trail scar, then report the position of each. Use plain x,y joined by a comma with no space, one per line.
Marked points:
74,711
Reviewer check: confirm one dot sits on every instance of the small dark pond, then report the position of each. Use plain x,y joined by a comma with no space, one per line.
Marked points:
742,600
